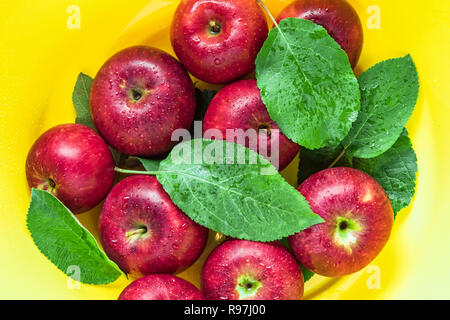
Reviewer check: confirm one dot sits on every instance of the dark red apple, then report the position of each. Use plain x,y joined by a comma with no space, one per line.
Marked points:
337,16
239,106
73,163
143,231
139,97
218,41
161,287
247,270
358,221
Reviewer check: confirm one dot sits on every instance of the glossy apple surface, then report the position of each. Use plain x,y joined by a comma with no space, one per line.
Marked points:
161,287
143,231
338,17
247,270
239,106
139,97
358,221
73,163
217,41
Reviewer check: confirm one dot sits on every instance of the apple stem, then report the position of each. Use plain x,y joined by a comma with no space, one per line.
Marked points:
151,173
138,231
268,12
214,27
337,158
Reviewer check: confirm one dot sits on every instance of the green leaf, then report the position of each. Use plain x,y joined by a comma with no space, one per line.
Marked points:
307,274
246,201
204,98
307,84
67,244
389,93
80,98
395,170
149,164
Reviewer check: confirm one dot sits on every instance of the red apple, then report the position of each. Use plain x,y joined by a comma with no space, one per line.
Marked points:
73,163
358,221
337,16
239,106
143,231
161,287
139,97
218,41
247,270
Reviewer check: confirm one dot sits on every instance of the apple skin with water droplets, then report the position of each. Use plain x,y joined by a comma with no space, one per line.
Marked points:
248,270
143,232
161,287
239,106
338,17
358,222
139,97
72,162
218,41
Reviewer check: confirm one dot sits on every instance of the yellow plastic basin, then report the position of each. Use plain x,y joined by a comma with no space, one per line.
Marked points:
43,47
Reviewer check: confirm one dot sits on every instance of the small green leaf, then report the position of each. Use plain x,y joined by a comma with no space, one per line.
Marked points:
395,170
67,244
80,98
389,93
307,84
149,164
246,201
307,274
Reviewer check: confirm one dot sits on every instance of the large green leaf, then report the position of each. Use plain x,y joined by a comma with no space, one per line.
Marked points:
247,201
307,84
389,93
67,244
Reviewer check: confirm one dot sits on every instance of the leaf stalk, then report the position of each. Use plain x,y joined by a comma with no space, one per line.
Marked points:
120,170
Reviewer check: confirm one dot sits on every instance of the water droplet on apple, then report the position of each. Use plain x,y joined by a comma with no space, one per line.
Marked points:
217,61
184,226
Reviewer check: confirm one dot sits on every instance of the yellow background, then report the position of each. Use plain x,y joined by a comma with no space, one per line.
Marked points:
40,58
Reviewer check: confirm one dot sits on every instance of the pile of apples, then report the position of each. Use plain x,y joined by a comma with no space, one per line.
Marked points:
140,96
